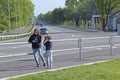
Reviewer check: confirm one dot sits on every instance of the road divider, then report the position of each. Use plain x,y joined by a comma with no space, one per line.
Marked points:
9,37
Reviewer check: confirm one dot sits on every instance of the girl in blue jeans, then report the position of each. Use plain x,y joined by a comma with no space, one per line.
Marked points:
35,39
48,53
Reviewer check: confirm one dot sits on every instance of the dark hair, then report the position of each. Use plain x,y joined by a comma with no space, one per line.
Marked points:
38,31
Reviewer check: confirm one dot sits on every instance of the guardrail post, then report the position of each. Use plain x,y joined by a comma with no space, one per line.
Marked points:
80,47
111,45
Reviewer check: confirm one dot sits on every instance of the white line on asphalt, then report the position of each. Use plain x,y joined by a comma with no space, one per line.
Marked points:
13,47
19,46
99,48
5,48
115,47
12,55
15,59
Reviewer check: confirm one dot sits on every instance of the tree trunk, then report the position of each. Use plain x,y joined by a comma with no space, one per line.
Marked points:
104,24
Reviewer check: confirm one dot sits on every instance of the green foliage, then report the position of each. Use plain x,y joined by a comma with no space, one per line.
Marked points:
71,4
58,15
81,11
74,11
20,12
105,8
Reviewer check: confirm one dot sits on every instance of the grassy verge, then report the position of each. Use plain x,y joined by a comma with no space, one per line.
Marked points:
29,29
100,71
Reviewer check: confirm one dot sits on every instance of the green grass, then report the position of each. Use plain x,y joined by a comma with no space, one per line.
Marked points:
29,29
100,71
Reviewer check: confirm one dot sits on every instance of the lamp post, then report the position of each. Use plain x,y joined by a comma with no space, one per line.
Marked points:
9,16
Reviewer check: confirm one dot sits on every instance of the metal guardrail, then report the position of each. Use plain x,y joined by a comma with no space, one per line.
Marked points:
8,37
80,44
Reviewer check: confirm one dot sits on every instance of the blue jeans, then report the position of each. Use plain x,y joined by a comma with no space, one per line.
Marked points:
36,56
49,60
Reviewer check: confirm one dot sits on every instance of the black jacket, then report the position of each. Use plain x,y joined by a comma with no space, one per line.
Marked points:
37,41
48,45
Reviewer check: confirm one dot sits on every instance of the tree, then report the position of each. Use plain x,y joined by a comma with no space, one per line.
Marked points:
78,10
105,8
19,12
58,15
71,4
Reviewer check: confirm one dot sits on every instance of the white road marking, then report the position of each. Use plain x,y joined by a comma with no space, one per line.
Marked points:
77,36
12,55
99,48
73,35
115,47
15,59
15,47
5,48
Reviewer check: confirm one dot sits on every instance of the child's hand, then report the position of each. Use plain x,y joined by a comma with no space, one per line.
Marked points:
33,41
39,44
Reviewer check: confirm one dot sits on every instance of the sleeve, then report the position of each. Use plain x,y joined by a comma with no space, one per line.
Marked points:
30,39
51,44
44,43
40,38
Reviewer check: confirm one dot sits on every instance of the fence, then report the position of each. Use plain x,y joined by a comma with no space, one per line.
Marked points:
9,37
82,44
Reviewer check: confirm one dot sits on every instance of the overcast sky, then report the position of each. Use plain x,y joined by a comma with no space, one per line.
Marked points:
43,6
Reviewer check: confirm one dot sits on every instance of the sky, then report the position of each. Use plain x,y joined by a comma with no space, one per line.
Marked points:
43,6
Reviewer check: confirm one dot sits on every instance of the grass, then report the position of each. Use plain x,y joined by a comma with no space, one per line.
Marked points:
100,71
29,29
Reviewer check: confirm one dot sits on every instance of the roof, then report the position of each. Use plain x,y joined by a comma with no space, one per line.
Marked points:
115,14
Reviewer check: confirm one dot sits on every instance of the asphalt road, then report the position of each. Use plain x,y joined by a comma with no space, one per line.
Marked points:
12,66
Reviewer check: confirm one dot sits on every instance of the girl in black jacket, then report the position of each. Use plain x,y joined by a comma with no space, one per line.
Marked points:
35,39
48,53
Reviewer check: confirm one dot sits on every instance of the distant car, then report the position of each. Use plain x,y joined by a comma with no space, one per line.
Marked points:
41,24
43,31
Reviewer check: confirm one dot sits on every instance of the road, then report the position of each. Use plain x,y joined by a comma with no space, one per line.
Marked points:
12,66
